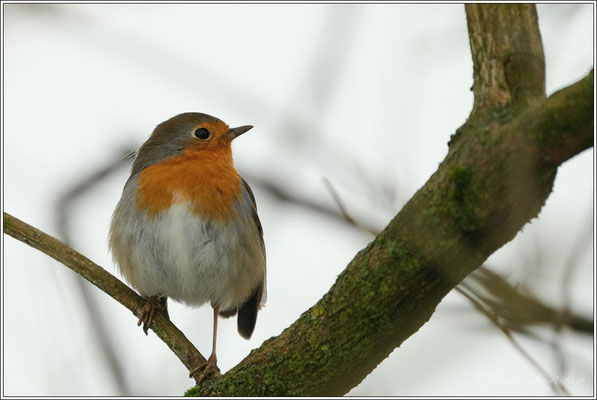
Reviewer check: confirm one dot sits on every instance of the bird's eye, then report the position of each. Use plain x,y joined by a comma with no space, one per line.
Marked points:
201,133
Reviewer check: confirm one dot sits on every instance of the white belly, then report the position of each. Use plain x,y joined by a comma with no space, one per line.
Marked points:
179,255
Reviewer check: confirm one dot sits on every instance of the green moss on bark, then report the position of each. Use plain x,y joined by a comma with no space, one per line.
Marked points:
461,201
497,175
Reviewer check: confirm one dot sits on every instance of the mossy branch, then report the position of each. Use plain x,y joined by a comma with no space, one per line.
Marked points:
483,193
164,329
496,177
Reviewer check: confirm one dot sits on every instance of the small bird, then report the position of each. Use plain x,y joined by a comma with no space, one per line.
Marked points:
186,226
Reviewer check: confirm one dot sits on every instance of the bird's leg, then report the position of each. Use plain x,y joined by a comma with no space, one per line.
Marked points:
163,302
153,304
210,366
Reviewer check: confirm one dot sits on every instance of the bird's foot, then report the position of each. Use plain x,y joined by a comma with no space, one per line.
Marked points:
153,305
209,368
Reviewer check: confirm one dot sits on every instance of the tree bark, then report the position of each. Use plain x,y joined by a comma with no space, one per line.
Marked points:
496,177
507,55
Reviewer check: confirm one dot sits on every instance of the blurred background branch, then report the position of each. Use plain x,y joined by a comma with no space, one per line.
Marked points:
557,387
64,208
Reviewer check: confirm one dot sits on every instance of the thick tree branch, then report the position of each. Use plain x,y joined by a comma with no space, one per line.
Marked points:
507,55
494,180
483,193
164,329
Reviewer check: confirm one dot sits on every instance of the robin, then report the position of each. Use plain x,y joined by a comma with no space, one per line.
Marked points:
186,226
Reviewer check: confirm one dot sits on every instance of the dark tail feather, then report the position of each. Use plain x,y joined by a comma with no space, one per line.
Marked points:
228,313
247,313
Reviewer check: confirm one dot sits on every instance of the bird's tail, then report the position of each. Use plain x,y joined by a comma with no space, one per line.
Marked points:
247,313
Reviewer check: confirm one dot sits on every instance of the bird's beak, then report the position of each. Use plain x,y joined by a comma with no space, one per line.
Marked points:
236,132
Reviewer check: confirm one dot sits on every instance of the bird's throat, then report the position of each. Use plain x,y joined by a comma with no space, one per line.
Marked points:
204,180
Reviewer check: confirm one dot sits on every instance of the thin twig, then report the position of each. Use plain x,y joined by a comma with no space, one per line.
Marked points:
283,194
345,214
556,386
164,329
570,267
516,308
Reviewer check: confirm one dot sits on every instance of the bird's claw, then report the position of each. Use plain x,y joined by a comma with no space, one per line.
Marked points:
149,309
209,368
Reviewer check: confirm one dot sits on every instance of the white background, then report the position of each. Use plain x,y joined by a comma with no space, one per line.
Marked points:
366,96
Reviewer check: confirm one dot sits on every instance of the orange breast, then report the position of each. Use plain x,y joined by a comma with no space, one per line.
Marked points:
206,180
